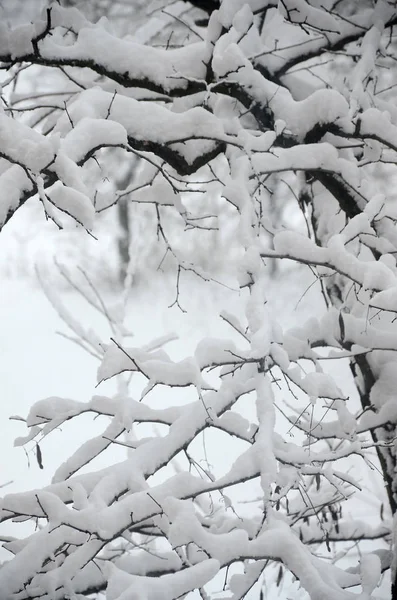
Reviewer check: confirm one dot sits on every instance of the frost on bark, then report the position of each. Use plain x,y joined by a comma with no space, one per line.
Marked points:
262,90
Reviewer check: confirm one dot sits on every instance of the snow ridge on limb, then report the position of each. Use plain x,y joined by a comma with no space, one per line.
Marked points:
233,70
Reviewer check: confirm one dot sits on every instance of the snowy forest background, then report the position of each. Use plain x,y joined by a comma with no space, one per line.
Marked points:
199,216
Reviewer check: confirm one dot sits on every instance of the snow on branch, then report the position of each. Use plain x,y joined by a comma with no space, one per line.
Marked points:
273,140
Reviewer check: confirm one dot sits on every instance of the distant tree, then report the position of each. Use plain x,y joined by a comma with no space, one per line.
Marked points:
268,93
